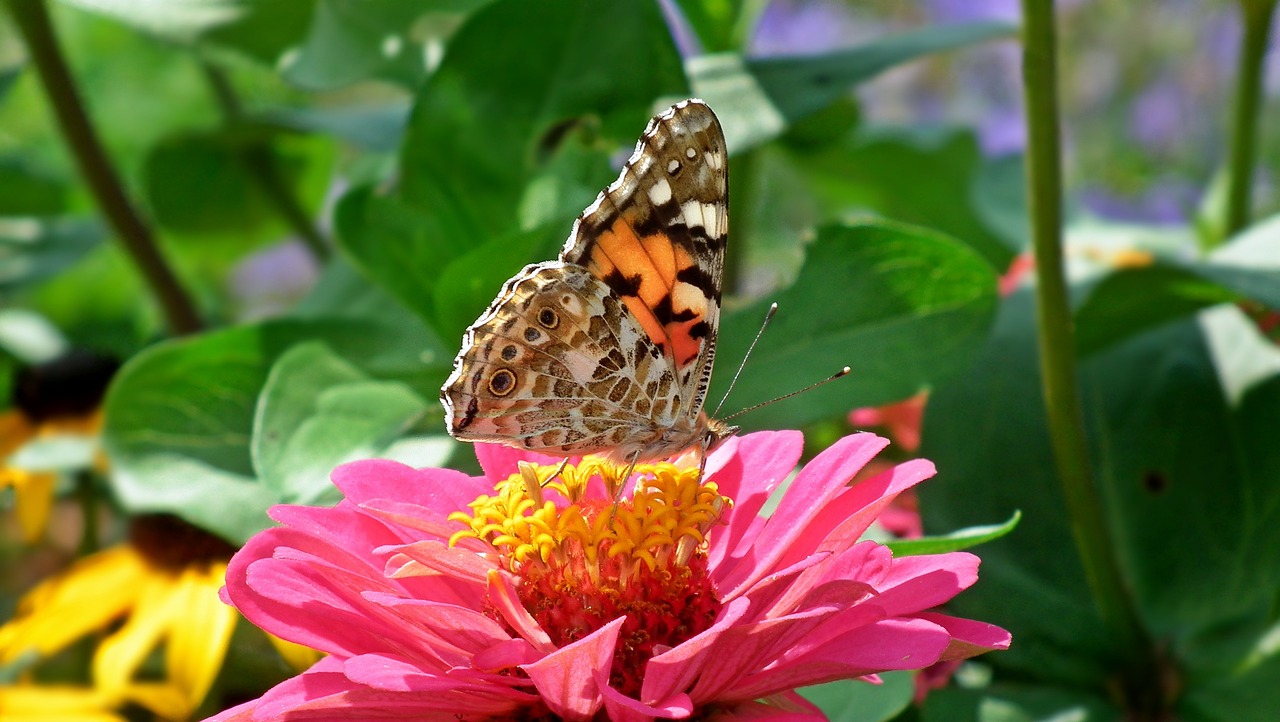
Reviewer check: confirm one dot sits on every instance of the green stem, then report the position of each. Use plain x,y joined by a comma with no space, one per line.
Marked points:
1139,679
263,168
32,19
1244,114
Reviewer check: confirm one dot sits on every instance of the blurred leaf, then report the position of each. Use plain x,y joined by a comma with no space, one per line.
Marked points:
475,135
714,22
8,76
28,337
1187,475
374,128
405,250
317,411
916,176
958,540
468,284
28,191
1132,300
855,700
180,415
904,307
999,197
1022,703
215,182
757,99
351,40
804,84
33,249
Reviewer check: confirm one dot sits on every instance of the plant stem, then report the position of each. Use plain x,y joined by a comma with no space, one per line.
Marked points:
1256,16
32,19
263,168
1140,683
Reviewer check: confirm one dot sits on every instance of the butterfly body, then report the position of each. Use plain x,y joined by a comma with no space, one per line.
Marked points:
609,349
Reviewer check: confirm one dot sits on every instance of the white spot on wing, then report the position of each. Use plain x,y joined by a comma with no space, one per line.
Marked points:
660,192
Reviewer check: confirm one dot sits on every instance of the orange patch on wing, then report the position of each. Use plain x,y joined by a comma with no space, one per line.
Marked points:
685,347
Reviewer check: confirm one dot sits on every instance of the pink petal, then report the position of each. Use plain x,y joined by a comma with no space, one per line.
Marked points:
504,597
969,637
674,670
361,481
622,708
567,678
500,461
885,645
761,462
812,488
433,557
784,707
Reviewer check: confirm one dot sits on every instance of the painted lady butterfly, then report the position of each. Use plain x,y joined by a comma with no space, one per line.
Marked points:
608,350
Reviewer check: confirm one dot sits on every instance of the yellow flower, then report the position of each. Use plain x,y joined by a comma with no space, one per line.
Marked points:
31,703
164,595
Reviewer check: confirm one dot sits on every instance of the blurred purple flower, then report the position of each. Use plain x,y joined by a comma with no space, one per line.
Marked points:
798,27
1168,201
273,279
959,11
1157,115
685,38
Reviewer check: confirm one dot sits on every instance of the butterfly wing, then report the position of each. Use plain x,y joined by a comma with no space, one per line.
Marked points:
609,349
657,238
557,364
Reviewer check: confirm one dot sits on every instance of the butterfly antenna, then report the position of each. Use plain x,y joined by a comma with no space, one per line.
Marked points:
773,308
842,372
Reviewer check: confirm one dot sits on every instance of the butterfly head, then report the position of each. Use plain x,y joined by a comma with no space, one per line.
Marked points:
716,432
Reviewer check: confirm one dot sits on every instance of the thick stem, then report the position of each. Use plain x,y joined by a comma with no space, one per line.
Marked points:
32,19
264,170
1244,114
1139,679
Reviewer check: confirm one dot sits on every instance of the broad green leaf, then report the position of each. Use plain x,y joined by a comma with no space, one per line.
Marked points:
353,40
759,98
34,249
401,248
720,25
317,411
9,75
378,128
999,197
804,84
482,123
179,416
958,540
236,176
922,176
469,283
1132,300
855,700
1017,703
1187,476
903,307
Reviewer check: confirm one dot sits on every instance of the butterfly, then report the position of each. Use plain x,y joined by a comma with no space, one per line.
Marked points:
608,349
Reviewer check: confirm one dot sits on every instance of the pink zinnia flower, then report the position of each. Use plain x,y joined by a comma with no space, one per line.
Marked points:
528,593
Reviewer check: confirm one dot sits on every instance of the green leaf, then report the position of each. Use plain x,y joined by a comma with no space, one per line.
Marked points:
1021,703
805,84
958,540
482,124
916,176
468,284
903,307
353,40
8,76
377,128
757,99
228,172
317,411
34,249
404,249
180,416
27,190
999,198
1132,300
855,700
1187,475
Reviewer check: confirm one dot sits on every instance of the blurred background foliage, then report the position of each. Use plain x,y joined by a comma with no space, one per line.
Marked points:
342,186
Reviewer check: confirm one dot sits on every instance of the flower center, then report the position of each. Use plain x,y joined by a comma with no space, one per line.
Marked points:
583,559
171,543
